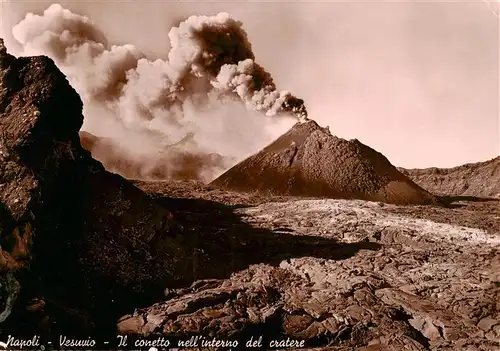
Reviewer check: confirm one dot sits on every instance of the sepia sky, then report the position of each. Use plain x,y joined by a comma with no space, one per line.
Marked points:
417,81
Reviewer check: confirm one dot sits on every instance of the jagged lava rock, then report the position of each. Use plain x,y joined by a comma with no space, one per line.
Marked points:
82,242
309,161
480,179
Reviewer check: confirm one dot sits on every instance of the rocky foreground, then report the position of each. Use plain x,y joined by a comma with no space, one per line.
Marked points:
346,274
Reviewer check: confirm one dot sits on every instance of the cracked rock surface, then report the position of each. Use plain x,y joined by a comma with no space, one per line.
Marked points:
377,277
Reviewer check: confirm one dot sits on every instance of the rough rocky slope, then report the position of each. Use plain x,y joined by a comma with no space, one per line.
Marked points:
309,161
71,261
481,179
338,274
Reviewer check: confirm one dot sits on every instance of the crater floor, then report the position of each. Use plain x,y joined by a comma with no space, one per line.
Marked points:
341,274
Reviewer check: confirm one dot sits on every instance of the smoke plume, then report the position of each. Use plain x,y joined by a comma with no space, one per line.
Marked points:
209,88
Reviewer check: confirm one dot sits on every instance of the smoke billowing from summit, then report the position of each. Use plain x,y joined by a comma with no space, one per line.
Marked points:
209,87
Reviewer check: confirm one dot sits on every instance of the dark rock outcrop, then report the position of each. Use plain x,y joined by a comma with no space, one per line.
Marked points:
481,179
309,161
79,245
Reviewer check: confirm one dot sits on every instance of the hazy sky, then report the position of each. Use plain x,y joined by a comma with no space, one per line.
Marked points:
417,81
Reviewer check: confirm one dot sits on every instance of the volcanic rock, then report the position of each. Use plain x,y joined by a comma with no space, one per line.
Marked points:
309,161
173,162
481,179
78,244
336,274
